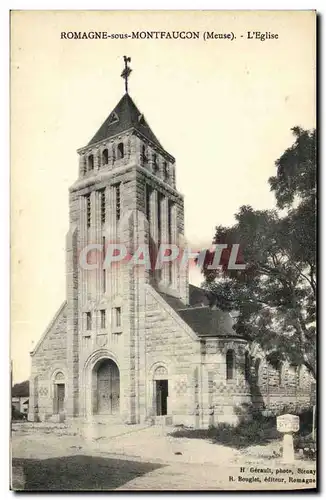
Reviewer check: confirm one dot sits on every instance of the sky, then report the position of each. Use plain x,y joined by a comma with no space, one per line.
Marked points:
224,109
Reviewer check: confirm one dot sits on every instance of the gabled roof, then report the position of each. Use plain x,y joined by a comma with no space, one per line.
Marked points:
54,319
208,322
125,115
205,321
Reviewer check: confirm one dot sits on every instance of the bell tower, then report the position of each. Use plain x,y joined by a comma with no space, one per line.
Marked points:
125,194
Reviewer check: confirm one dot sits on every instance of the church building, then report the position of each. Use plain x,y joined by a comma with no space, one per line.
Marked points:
137,344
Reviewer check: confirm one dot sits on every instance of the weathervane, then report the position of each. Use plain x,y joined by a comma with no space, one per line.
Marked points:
126,72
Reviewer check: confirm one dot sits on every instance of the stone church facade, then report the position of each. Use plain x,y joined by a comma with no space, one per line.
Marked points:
136,344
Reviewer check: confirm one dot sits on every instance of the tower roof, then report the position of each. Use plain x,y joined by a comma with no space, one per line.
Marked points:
125,115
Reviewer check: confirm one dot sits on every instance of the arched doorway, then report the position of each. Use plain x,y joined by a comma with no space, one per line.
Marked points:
106,397
58,393
161,390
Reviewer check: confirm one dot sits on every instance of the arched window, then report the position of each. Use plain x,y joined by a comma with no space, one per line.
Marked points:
144,154
105,157
90,162
59,376
155,163
293,370
247,367
257,369
301,376
165,171
229,365
160,373
279,368
121,150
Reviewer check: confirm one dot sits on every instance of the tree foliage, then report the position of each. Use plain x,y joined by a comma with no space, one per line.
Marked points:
21,389
275,296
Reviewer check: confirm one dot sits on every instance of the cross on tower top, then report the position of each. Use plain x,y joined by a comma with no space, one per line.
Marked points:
126,72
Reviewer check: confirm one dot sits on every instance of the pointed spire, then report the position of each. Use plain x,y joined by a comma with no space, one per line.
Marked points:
125,116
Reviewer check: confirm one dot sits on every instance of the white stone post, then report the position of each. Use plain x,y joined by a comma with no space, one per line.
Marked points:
288,424
288,450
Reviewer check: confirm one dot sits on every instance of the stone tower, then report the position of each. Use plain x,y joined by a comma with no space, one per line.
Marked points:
125,194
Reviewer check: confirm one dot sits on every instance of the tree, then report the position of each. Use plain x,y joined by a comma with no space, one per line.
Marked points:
275,296
21,389
295,190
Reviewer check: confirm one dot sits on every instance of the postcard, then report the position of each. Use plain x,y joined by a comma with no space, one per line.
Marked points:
163,249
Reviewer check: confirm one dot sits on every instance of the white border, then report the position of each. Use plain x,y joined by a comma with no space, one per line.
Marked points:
319,5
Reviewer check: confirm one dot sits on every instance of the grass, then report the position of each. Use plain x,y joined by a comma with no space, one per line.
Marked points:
261,430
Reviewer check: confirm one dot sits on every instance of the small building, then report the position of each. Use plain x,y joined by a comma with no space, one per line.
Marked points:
20,396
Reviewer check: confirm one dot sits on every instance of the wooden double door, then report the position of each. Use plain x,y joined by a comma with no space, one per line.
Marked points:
108,388
59,398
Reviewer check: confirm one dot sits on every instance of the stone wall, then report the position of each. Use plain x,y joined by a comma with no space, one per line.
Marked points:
278,390
227,400
170,343
48,357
